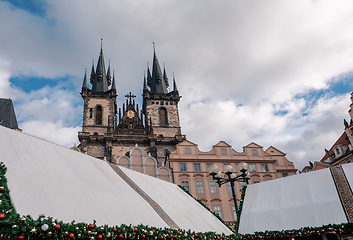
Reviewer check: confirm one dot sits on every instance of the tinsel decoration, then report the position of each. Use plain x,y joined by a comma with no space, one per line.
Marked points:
14,226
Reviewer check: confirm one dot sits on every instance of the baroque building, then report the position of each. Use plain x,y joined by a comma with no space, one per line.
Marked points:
110,133
189,169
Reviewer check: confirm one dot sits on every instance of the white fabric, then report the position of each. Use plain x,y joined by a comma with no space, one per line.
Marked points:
45,178
184,210
303,200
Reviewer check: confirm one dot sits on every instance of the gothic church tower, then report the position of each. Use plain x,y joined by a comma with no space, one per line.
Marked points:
160,108
155,129
99,110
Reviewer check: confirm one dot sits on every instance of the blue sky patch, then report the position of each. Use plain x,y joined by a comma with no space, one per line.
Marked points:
29,84
35,7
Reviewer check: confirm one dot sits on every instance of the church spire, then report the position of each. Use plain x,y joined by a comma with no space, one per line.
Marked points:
157,82
165,76
113,83
175,89
144,81
149,77
109,77
84,85
100,81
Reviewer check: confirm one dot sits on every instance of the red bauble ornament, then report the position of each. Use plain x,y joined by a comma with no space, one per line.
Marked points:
162,237
2,216
203,235
90,226
323,230
143,236
168,232
312,231
121,236
335,230
135,229
71,235
178,232
195,235
174,236
20,237
99,236
153,231
115,229
57,227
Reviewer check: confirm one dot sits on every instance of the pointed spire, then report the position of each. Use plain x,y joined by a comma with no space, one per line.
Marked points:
157,84
144,81
149,77
113,83
175,89
165,76
93,74
84,85
100,81
109,77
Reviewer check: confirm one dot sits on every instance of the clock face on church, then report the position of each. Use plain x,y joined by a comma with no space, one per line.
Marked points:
130,114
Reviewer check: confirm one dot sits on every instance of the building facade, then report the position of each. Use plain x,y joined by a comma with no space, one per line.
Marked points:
110,133
189,169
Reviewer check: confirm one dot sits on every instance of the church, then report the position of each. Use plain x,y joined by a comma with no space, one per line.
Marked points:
148,133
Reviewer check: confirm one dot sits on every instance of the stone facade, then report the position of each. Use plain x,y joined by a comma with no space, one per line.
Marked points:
189,167
110,134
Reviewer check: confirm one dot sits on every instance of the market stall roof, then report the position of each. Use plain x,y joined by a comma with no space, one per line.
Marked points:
311,199
45,178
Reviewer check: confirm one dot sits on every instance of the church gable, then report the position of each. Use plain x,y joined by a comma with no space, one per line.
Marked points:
274,151
222,144
252,145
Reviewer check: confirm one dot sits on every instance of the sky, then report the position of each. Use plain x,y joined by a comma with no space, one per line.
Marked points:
277,73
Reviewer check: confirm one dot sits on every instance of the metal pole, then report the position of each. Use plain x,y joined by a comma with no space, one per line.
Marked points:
233,193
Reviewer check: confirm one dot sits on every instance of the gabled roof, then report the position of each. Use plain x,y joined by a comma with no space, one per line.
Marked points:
7,114
222,144
253,145
341,140
275,151
45,178
187,143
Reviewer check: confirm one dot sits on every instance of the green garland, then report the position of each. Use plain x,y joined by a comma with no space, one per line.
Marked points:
240,209
12,225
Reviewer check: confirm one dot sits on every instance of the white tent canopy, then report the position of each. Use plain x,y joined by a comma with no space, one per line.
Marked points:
45,178
304,200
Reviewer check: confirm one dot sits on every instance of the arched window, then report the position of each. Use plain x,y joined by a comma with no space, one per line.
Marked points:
163,116
99,115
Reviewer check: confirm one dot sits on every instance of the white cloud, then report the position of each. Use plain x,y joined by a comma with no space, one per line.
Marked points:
240,66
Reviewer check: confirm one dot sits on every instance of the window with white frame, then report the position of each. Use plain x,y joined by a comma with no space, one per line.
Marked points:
218,210
264,167
252,167
187,150
185,184
234,213
197,167
182,167
254,152
213,187
208,165
200,187
223,151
